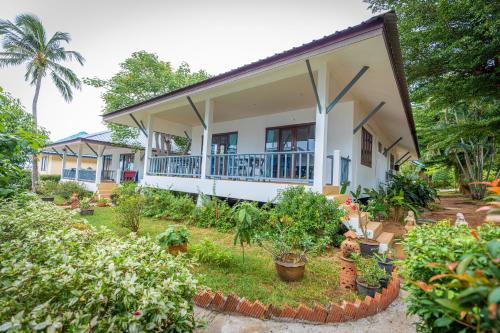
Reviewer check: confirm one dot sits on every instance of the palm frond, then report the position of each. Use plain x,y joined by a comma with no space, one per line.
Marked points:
59,37
33,29
65,74
63,87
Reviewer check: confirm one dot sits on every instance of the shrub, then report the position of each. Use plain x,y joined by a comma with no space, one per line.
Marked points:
309,214
165,204
129,211
208,252
368,270
59,274
248,217
174,235
54,178
417,192
47,187
442,303
213,212
67,188
125,189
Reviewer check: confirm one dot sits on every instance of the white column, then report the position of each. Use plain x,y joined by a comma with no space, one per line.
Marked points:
149,147
78,162
99,164
207,138
320,143
63,166
336,168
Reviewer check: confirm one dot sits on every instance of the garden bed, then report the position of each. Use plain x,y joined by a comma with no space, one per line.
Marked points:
256,279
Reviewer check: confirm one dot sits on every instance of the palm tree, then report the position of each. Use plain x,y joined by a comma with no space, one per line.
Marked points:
25,42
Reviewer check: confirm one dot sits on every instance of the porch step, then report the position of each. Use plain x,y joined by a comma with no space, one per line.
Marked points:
340,198
104,190
385,240
374,229
330,189
354,223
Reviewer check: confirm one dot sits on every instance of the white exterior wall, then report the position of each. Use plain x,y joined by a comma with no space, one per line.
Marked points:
115,160
90,186
252,131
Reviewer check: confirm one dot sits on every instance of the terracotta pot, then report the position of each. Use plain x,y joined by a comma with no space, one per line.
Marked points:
176,249
368,247
365,289
49,199
350,244
290,271
86,212
101,204
398,249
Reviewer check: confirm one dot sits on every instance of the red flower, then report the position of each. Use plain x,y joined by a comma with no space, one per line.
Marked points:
328,246
354,207
137,313
348,202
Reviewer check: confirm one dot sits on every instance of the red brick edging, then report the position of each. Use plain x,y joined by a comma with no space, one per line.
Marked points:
334,313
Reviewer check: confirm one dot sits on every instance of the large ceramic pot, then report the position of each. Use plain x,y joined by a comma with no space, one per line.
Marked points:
387,265
176,249
365,289
368,247
86,212
290,268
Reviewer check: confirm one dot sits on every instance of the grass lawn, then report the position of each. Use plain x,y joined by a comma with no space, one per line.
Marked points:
256,278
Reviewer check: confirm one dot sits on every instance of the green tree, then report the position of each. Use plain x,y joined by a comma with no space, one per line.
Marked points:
25,41
19,138
450,49
142,77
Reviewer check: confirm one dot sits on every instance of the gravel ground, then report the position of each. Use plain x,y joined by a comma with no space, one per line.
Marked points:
393,320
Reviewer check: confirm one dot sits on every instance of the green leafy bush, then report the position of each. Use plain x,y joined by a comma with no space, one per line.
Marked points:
213,212
208,252
248,217
54,178
368,270
47,187
308,214
165,204
67,188
416,191
129,210
59,274
445,304
175,234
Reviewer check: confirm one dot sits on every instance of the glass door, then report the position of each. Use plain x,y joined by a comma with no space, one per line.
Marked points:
223,144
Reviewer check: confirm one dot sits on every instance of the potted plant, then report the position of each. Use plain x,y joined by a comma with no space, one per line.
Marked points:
102,202
385,261
368,246
369,275
47,190
289,255
85,208
174,238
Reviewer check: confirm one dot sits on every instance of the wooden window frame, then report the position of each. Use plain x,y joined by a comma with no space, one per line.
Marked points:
221,134
279,128
366,148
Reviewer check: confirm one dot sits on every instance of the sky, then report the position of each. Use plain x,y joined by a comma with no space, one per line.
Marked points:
216,36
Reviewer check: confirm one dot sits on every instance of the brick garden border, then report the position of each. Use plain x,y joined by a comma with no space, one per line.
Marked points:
333,313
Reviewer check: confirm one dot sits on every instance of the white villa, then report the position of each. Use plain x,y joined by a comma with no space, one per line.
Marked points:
330,111
112,163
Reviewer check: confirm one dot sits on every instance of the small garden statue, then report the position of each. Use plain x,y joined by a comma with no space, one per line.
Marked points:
410,221
461,220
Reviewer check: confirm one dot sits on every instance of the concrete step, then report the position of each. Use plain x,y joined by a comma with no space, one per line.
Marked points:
340,198
330,189
374,229
354,223
104,190
385,240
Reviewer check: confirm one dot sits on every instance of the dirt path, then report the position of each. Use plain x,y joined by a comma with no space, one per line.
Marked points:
449,206
393,319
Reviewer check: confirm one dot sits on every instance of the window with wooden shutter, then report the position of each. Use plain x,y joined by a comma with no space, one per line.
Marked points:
366,148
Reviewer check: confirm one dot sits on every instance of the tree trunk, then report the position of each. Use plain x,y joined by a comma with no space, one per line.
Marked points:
34,171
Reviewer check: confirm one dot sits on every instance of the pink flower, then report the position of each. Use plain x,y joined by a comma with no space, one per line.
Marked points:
354,207
137,313
348,202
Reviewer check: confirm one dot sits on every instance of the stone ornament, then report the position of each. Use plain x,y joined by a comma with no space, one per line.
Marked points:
347,265
349,245
461,220
74,201
410,221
